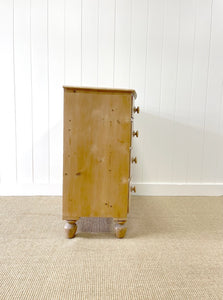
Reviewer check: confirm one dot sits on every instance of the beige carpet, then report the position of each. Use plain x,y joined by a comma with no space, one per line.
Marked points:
173,250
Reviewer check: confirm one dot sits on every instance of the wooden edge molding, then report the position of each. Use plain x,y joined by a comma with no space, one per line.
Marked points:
96,89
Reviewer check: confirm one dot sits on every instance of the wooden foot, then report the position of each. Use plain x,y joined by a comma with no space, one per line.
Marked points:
120,228
70,229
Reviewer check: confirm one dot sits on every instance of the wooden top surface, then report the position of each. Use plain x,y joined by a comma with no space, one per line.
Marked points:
95,89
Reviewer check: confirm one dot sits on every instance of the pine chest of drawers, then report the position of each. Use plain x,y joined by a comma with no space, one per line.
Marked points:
97,155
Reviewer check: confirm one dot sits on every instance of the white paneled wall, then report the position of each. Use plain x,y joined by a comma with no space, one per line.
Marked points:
170,51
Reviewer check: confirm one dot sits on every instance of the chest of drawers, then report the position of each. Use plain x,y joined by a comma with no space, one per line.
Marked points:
97,155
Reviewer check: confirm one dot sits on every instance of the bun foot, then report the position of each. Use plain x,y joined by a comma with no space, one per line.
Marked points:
70,229
120,228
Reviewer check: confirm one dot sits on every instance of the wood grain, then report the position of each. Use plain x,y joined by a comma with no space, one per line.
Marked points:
97,139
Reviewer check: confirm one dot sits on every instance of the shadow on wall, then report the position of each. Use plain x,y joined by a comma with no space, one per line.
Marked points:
167,151
171,151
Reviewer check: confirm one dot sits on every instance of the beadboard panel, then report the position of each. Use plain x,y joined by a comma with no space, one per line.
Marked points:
153,76
8,147
198,104
72,41
183,90
137,72
171,52
56,23
213,130
89,42
23,96
106,42
122,49
39,18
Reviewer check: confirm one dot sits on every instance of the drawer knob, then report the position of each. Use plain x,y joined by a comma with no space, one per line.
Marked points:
134,160
133,189
136,133
136,109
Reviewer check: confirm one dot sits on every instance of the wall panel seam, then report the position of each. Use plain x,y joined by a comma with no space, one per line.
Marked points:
98,41
114,44
192,82
64,44
14,83
176,85
164,36
130,50
48,91
81,42
145,74
206,96
31,85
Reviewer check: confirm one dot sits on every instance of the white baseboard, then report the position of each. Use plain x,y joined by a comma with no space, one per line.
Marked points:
179,189
30,190
151,189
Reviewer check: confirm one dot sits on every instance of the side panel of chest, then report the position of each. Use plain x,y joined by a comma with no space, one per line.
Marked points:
97,139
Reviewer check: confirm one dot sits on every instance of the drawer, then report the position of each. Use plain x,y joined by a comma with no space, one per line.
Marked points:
135,108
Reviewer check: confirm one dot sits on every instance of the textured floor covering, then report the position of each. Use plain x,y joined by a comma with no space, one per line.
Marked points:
173,250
